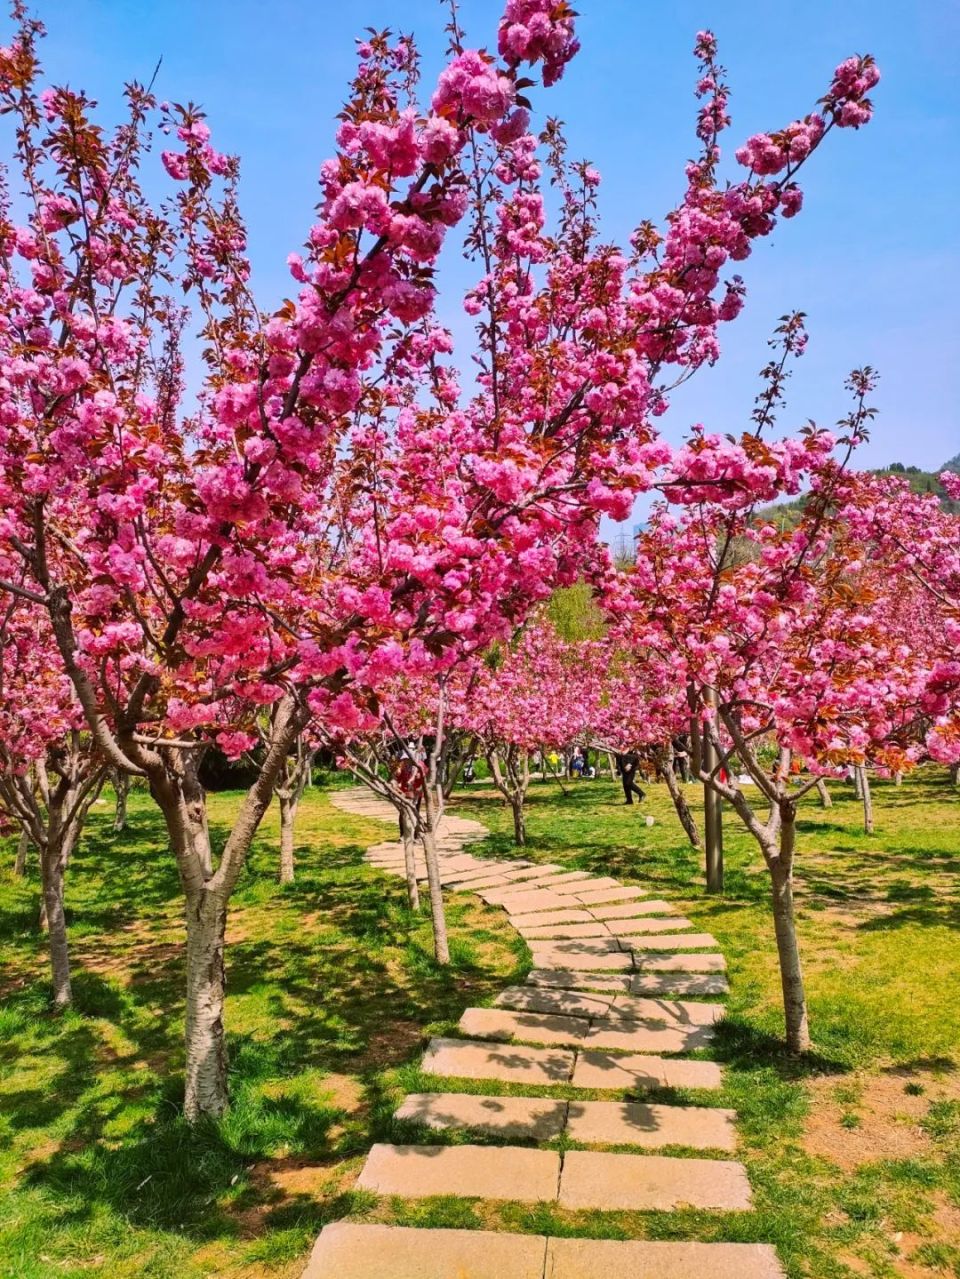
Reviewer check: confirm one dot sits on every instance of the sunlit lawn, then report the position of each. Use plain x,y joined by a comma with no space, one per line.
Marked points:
854,1153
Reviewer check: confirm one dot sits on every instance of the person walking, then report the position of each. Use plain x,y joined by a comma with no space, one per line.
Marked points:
681,756
627,765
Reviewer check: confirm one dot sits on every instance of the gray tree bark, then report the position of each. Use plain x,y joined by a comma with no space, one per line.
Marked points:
823,794
121,786
23,847
867,798
687,820
408,828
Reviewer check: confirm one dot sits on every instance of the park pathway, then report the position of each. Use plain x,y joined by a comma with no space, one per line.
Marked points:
615,1003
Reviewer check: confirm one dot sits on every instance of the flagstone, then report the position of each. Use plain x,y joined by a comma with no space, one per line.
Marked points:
598,961
346,1250
678,963
643,1038
482,1172
643,927
642,1259
629,910
672,1011
543,919
675,941
678,983
599,896
631,1123
472,1059
565,1002
597,1069
566,979
534,1028
597,1179
568,932
538,1118
590,884
516,902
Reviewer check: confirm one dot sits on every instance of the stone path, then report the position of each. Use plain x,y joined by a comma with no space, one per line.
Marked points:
615,1002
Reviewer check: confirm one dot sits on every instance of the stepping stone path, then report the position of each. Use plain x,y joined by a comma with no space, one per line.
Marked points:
618,995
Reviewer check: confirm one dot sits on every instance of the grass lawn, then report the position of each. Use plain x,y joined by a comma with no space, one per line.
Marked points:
331,986
854,1153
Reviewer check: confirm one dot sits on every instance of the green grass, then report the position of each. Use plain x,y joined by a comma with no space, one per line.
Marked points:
878,923
853,1151
332,986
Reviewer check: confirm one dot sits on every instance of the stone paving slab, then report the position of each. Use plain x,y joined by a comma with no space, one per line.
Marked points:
634,1037
648,963
596,1179
674,983
481,1172
600,896
630,910
588,946
566,979
645,927
515,902
469,1059
564,932
675,941
566,1002
346,1250
538,1118
605,961
533,1028
631,1123
480,885
640,1259
671,1011
544,918
591,884
597,1069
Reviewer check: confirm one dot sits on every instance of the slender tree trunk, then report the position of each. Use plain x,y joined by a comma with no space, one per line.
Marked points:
955,774
206,1081
519,822
857,784
612,766
867,798
898,779
824,794
121,786
441,948
288,813
23,847
785,926
52,866
408,835
687,820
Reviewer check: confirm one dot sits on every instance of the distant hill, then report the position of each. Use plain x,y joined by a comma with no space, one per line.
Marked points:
919,481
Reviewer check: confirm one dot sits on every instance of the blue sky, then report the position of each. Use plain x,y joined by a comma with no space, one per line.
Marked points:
872,258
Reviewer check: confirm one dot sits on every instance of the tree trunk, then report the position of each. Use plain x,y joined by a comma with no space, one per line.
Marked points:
784,921
441,948
867,801
955,774
898,779
288,814
121,786
23,847
857,784
206,1082
519,822
612,766
408,835
824,794
687,820
52,866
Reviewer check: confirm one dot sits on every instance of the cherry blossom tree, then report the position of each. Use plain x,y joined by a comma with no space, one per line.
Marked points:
333,507
50,772
778,635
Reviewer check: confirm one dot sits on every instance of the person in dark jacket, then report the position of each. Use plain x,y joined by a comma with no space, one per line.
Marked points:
627,765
